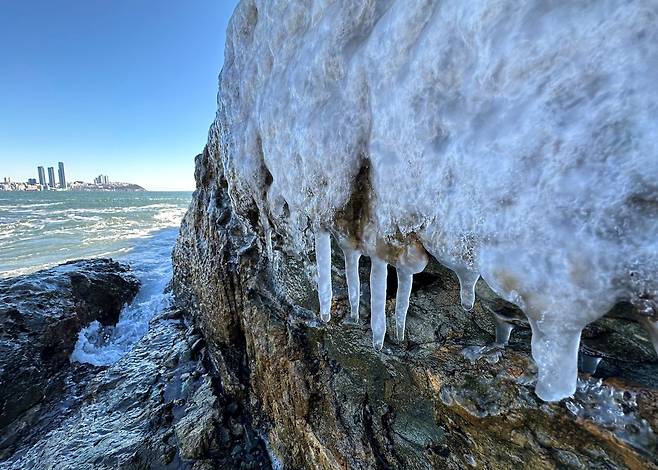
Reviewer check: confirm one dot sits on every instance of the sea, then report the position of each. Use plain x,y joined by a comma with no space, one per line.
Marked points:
40,230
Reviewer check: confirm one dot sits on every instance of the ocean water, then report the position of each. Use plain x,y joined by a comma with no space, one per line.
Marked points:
40,230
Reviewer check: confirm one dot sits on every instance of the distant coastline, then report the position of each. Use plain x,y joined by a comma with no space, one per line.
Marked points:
107,187
75,186
45,228
101,183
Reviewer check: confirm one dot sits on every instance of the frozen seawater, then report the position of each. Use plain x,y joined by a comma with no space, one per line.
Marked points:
323,257
503,330
515,141
353,283
378,273
612,409
402,302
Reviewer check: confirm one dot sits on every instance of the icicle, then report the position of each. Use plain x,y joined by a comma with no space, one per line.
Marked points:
503,330
323,260
405,280
588,364
412,260
652,328
378,272
268,243
467,281
353,283
555,351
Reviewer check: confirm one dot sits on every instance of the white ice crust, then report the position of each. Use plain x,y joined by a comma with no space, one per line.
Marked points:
512,140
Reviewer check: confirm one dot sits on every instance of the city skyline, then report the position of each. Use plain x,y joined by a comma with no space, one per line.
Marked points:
101,182
54,180
59,182
61,174
51,177
129,89
42,176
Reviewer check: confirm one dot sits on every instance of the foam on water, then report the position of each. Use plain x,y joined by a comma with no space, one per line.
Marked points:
150,260
40,230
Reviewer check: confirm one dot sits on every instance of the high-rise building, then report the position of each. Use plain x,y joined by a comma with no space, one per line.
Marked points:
62,177
32,181
102,179
51,177
42,176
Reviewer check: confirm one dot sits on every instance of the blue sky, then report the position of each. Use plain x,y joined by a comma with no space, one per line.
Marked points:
120,87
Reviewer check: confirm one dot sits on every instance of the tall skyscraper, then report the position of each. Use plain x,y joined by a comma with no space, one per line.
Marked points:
62,177
51,177
102,179
42,176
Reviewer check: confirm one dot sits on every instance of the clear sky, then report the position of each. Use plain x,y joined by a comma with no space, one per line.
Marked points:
125,88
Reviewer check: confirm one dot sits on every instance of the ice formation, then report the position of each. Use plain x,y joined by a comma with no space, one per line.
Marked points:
503,330
513,141
323,258
589,364
378,272
613,409
352,258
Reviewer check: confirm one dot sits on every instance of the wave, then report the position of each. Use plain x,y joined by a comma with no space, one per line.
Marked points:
30,206
151,262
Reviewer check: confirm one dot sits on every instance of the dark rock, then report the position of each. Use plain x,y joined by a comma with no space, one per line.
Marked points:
40,317
196,431
232,408
237,450
197,346
129,415
325,399
157,407
236,429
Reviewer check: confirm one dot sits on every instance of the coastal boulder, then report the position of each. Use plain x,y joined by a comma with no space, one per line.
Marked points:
40,317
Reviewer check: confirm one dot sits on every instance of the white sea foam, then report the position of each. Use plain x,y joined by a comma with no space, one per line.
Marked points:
151,262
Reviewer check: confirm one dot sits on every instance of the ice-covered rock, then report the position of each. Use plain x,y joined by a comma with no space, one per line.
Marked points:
515,141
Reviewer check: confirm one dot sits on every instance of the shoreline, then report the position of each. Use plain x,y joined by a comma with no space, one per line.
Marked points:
156,405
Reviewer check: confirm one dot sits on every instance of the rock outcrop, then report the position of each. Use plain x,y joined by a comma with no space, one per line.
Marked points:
442,398
510,142
157,407
40,317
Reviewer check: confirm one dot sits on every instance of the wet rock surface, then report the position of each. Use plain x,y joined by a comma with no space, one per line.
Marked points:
443,398
40,317
157,407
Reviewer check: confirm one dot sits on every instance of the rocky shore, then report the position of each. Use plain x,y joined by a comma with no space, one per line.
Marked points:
443,398
157,407
485,155
40,317
240,373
